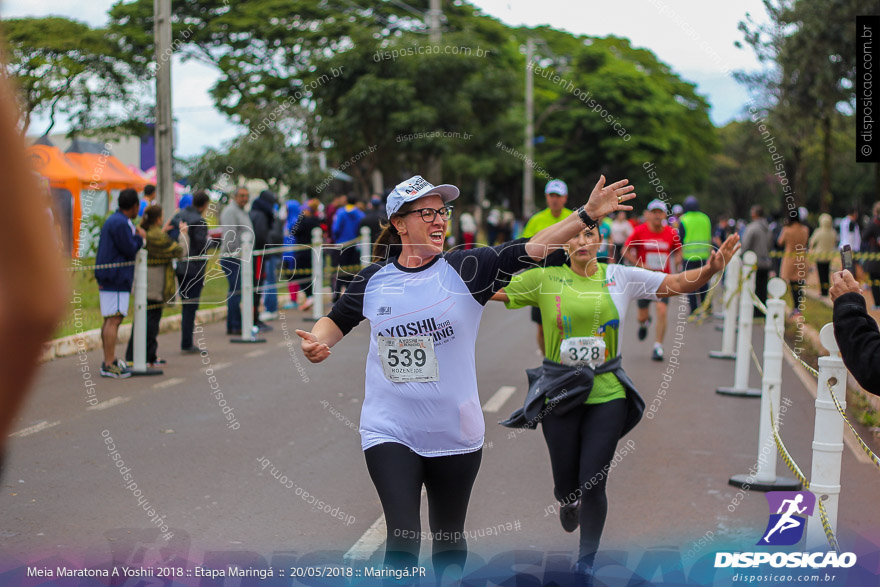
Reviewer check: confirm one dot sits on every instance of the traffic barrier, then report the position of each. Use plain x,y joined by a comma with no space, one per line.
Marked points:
744,335
827,435
765,477
731,305
365,244
246,273
317,274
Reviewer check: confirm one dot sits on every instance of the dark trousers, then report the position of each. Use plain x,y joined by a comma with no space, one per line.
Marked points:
232,269
582,443
349,261
797,294
154,316
875,287
762,276
190,292
696,298
302,261
398,474
823,268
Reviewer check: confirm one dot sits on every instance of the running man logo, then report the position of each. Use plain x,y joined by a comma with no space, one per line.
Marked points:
786,526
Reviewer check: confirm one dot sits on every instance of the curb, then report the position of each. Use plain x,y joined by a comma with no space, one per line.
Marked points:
91,339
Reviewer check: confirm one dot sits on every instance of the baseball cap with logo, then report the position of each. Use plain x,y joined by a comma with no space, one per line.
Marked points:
556,186
414,188
657,204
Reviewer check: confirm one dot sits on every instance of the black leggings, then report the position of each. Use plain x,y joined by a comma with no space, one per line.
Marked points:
398,474
581,444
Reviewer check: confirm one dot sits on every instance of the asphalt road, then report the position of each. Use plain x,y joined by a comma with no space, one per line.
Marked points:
63,496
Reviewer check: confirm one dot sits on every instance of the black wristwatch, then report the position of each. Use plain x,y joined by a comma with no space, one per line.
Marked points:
585,218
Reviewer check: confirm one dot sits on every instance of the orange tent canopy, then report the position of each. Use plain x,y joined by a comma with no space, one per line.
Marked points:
99,170
51,163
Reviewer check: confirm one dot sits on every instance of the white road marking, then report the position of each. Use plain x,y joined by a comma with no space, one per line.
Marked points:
219,366
496,402
113,401
369,543
45,424
282,343
169,382
256,353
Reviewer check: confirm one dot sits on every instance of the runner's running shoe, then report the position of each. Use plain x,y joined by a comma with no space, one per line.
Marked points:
657,355
643,328
114,371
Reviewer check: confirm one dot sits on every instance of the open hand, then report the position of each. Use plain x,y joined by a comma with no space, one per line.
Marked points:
721,257
606,199
313,350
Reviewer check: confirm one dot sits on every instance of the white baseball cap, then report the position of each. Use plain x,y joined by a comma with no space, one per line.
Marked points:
556,186
414,188
657,204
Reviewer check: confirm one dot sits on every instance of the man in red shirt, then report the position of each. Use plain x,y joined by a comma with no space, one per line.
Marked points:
652,246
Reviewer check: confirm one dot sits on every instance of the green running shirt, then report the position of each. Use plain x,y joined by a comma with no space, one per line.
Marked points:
575,306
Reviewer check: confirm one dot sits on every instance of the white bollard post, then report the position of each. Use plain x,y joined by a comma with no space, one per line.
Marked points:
139,320
765,479
744,334
827,439
247,290
731,307
366,254
317,274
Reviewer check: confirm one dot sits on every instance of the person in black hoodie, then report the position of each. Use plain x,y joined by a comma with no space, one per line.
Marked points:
856,331
191,274
262,216
307,222
871,244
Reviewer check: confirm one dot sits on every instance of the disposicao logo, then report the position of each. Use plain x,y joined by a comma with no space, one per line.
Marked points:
786,526
789,511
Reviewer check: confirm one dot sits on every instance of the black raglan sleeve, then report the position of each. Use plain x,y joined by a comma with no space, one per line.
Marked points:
348,311
859,340
485,270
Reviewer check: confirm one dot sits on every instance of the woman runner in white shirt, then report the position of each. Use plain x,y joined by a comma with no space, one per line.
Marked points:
421,422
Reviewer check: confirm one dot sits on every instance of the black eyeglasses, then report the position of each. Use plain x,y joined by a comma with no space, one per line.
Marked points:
429,214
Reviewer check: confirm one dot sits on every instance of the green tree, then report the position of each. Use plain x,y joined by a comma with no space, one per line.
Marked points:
63,67
617,109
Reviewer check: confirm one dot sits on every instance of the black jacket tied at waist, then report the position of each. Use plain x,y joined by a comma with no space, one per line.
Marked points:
560,388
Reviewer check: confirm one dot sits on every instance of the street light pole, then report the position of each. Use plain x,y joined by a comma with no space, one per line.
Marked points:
528,178
164,123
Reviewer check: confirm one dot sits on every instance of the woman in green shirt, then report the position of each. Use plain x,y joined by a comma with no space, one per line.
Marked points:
581,394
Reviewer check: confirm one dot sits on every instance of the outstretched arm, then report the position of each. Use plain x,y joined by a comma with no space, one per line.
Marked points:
603,200
690,281
316,344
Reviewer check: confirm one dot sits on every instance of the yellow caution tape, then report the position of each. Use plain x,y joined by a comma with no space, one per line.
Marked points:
842,412
823,256
796,471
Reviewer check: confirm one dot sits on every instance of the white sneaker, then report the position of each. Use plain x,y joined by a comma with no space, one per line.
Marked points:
268,316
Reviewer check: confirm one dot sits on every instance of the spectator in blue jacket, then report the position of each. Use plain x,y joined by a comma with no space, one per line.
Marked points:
119,243
346,227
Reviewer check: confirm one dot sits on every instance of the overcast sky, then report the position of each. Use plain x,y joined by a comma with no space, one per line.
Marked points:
694,37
